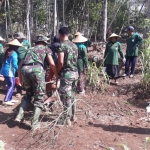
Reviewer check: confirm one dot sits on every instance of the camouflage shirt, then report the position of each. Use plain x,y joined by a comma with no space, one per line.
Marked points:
70,51
37,54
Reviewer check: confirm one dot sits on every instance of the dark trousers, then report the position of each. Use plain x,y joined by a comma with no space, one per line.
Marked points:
130,60
11,82
18,88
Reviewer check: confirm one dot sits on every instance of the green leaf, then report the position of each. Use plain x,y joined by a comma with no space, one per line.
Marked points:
124,146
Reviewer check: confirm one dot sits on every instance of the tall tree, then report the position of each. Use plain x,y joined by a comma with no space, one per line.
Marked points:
55,17
9,16
104,20
6,26
28,21
63,13
148,16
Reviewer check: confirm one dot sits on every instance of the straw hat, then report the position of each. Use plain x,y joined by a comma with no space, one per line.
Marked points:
15,42
20,35
114,35
1,39
77,33
79,39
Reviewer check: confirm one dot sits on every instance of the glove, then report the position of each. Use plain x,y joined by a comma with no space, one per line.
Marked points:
124,60
134,47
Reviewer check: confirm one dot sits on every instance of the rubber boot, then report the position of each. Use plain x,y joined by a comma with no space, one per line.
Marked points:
73,117
35,120
22,109
68,113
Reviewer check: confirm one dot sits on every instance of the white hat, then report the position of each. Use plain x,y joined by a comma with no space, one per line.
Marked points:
20,35
114,35
1,39
15,42
79,39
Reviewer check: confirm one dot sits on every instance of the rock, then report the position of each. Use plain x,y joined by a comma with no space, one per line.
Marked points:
113,95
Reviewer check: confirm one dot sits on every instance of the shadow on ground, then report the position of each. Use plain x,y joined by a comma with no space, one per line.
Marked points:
123,129
8,118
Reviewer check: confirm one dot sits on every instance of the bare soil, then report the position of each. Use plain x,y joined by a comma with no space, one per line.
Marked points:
118,116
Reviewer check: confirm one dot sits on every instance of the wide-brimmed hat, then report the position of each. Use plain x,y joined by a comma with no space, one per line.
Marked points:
42,38
79,39
15,42
77,33
1,39
114,35
20,35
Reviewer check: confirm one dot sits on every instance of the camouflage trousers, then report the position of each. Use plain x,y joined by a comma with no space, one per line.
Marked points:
81,82
34,83
67,93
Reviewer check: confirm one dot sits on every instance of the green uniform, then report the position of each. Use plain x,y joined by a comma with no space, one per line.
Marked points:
69,75
33,78
133,41
111,53
70,51
82,64
82,58
22,50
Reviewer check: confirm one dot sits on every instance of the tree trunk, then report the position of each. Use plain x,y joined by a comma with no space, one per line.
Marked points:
31,20
49,17
6,26
123,23
55,17
88,19
28,21
9,16
115,14
63,13
104,21
148,16
82,16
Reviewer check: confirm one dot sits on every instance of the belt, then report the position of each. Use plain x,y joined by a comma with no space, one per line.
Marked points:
33,64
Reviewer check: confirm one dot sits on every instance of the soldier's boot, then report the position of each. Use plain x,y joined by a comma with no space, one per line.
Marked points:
35,120
22,109
73,117
68,116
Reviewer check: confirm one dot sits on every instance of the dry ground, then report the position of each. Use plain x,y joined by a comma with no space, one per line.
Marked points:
118,116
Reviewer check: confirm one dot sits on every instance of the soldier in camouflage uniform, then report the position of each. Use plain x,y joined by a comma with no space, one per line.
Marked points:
67,67
32,78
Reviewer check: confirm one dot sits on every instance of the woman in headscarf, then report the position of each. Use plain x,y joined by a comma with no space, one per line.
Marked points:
82,63
9,69
113,47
